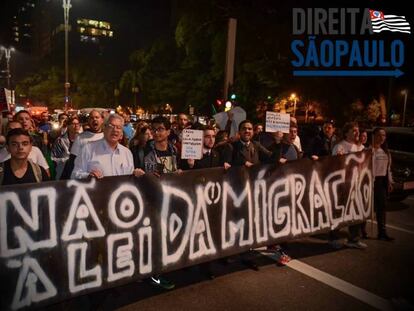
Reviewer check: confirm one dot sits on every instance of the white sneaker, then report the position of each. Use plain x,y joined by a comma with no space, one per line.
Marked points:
357,244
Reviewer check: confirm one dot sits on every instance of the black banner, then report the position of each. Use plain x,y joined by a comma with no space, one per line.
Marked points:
63,239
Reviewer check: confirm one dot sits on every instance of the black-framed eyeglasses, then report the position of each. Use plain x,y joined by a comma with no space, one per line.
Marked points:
158,129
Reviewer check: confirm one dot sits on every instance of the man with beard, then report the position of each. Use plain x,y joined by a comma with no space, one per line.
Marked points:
106,156
94,133
211,157
245,151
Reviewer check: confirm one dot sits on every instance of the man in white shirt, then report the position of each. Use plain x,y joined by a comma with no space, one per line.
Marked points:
348,145
106,156
94,133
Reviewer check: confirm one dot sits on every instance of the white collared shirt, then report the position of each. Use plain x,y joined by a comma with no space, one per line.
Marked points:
82,139
98,155
345,147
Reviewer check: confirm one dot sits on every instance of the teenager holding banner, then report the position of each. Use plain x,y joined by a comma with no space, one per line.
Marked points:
160,157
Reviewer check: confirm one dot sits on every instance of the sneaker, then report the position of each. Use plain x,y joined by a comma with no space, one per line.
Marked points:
281,257
335,244
356,244
161,282
385,237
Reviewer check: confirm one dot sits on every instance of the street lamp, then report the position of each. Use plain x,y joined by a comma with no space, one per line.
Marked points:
405,93
135,91
7,54
294,98
66,7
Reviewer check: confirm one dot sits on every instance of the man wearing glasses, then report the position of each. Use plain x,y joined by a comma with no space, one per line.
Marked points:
161,155
106,156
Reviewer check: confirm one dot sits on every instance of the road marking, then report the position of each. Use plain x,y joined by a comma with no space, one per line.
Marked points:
394,227
341,285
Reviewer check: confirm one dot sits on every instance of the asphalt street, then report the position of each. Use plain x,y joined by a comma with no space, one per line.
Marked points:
318,278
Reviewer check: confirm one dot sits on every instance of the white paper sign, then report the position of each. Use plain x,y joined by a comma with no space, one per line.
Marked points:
192,144
277,122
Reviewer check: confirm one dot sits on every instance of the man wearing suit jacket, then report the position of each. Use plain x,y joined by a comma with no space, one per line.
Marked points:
245,151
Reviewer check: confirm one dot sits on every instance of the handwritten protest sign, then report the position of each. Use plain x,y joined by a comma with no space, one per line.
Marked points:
277,122
192,146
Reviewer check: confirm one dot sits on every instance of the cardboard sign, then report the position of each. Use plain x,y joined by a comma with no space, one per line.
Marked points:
277,122
192,144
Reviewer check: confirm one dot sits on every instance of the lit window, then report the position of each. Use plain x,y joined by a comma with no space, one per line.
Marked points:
81,29
111,33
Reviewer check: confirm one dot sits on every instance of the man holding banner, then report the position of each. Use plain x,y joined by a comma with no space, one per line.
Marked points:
245,151
345,146
106,157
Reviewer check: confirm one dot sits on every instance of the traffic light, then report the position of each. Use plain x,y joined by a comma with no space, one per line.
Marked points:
233,96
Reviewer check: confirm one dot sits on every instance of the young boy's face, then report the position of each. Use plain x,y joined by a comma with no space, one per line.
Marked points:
19,147
159,132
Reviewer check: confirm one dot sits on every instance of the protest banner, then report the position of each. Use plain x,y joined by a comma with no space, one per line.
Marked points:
68,238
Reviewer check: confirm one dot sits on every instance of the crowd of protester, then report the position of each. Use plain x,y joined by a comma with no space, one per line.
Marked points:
110,145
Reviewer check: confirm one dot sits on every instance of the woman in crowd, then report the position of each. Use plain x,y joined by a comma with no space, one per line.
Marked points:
137,147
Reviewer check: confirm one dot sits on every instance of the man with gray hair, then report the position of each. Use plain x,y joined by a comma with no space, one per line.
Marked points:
106,156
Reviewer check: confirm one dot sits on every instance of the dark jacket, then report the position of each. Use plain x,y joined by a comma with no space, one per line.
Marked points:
254,153
151,160
208,160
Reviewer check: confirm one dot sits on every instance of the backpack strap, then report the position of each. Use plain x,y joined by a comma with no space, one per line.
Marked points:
36,170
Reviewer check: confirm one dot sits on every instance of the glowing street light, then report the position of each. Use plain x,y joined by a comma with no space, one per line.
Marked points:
294,98
228,105
66,7
405,93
